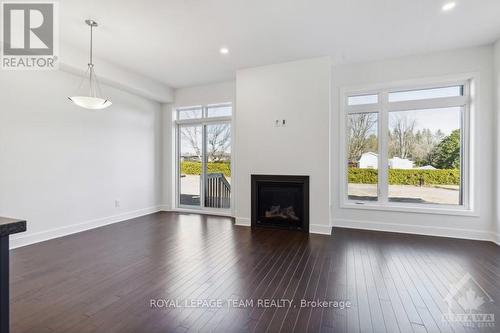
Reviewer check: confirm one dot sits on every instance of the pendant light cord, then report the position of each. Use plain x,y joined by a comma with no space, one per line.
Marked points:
91,42
91,64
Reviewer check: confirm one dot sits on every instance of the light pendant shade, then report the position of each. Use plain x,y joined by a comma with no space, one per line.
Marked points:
88,95
93,103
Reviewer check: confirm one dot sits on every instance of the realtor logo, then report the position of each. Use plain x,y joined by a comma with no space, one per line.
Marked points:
30,35
469,304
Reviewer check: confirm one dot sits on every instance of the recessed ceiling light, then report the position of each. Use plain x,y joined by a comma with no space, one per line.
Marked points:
448,6
224,50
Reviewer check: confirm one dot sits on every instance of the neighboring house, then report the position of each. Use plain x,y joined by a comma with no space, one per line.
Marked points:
401,163
369,160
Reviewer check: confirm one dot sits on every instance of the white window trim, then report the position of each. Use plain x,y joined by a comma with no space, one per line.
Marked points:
470,100
204,120
204,114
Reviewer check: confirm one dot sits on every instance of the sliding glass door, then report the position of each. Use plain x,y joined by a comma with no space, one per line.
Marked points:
190,159
218,165
204,157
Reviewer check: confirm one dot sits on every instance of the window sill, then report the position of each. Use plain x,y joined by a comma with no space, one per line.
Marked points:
411,209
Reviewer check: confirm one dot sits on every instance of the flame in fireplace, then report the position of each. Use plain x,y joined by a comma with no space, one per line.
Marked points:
284,213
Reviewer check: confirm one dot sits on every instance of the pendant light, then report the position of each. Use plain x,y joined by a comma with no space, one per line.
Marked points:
93,100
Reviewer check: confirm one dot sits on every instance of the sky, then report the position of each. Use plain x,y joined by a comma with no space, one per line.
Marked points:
446,120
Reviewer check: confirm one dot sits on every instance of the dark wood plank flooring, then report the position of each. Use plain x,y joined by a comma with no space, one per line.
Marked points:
103,280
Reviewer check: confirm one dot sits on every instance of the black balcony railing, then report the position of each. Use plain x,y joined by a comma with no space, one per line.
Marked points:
218,191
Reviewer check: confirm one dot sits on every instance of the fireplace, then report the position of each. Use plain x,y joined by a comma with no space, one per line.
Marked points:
280,202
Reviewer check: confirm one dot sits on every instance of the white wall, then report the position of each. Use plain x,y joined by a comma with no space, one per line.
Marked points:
206,94
496,131
480,60
215,93
62,167
300,93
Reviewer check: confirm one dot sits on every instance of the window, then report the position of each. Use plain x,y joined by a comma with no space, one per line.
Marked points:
414,95
362,155
362,99
224,110
408,147
189,113
204,157
424,156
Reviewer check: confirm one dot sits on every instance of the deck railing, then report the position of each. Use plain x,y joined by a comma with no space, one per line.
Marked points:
218,191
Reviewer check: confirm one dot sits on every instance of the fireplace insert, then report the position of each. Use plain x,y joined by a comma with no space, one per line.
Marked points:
280,202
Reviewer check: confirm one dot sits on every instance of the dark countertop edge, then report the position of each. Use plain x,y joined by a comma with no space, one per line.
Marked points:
10,226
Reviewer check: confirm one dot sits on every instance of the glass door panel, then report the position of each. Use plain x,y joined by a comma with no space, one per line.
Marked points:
190,165
218,165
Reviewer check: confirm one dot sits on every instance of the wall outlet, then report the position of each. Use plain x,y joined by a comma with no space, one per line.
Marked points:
117,203
280,123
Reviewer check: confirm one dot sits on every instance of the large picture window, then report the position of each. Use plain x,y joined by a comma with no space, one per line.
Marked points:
407,146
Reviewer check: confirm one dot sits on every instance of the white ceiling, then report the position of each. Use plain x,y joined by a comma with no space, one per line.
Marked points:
177,42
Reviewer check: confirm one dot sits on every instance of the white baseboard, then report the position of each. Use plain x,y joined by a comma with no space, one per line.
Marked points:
23,240
164,208
320,229
243,222
497,238
415,229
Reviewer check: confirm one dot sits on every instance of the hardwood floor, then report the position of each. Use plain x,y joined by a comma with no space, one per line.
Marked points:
103,280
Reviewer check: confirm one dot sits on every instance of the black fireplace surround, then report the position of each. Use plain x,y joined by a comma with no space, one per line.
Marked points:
280,202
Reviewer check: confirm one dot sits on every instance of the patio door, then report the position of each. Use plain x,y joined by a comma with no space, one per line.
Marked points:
204,158
190,165
217,166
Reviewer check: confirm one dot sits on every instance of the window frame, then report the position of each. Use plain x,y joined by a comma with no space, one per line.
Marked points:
203,122
468,102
